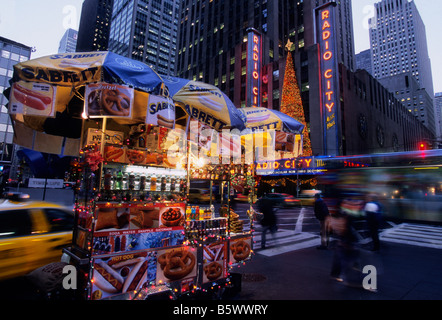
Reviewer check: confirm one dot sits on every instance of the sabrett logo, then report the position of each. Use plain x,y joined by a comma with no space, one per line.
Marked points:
205,118
57,76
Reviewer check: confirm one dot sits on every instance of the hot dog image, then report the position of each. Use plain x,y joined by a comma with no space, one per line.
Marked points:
107,279
164,122
122,274
211,104
112,154
258,118
30,98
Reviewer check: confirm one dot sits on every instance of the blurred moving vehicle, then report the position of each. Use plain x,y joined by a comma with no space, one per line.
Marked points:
307,197
283,200
197,195
32,234
241,198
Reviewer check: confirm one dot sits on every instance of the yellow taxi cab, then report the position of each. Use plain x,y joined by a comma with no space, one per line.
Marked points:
32,234
307,197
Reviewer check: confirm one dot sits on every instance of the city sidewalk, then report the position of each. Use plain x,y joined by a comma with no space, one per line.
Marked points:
403,273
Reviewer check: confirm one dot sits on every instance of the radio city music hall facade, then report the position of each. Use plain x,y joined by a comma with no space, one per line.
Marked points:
239,46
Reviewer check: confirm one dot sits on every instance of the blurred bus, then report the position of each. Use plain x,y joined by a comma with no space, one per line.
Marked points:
408,184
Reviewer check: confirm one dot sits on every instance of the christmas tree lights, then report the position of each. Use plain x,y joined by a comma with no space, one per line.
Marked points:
291,103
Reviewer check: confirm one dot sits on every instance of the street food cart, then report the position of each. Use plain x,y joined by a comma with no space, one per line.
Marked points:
140,140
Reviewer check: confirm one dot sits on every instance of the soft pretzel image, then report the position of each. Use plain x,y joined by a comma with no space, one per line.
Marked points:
176,264
240,250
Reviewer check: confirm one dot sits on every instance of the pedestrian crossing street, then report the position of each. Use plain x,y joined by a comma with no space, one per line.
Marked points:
414,234
298,230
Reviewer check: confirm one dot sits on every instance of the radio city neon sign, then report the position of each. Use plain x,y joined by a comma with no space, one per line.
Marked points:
326,56
326,37
254,69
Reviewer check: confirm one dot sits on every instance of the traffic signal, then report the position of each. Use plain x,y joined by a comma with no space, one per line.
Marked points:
423,146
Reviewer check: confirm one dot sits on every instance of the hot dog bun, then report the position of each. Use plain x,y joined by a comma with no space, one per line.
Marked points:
106,278
211,104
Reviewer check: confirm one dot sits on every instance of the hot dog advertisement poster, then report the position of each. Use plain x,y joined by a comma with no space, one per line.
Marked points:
30,98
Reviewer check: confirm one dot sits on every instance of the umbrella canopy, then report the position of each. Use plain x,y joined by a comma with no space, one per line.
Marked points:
206,103
262,119
77,69
61,80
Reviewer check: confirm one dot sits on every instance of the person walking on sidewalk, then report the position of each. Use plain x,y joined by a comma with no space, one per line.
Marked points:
269,221
373,215
322,214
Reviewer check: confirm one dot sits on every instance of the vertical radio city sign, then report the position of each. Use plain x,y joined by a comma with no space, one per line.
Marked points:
254,62
328,76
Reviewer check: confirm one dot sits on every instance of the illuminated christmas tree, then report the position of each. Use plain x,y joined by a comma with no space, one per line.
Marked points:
291,103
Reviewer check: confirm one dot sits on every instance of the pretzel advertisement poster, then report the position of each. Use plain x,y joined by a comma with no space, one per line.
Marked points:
240,250
214,261
108,100
34,99
176,264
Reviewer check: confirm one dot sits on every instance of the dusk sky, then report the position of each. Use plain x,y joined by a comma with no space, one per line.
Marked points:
42,23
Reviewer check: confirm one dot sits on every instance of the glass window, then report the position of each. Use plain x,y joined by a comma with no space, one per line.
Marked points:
5,54
14,56
15,223
59,220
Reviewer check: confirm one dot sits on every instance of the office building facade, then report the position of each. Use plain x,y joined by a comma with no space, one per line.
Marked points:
146,31
68,42
399,43
95,22
363,61
399,49
438,110
11,53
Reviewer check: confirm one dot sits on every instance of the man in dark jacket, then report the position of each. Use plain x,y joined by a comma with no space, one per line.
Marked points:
321,213
266,206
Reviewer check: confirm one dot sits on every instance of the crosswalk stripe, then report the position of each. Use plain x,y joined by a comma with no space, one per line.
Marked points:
418,235
286,241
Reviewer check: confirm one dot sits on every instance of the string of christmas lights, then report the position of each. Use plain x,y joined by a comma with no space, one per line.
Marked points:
291,103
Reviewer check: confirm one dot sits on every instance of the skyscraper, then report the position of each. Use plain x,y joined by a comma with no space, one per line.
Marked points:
68,42
146,31
399,50
11,53
399,42
93,34
438,109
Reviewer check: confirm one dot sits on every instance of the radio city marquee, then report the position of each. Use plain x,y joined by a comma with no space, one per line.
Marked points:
302,166
329,87
254,56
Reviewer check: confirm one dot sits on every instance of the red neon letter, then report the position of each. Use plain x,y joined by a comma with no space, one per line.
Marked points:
328,74
325,35
325,14
326,25
329,94
330,106
328,55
